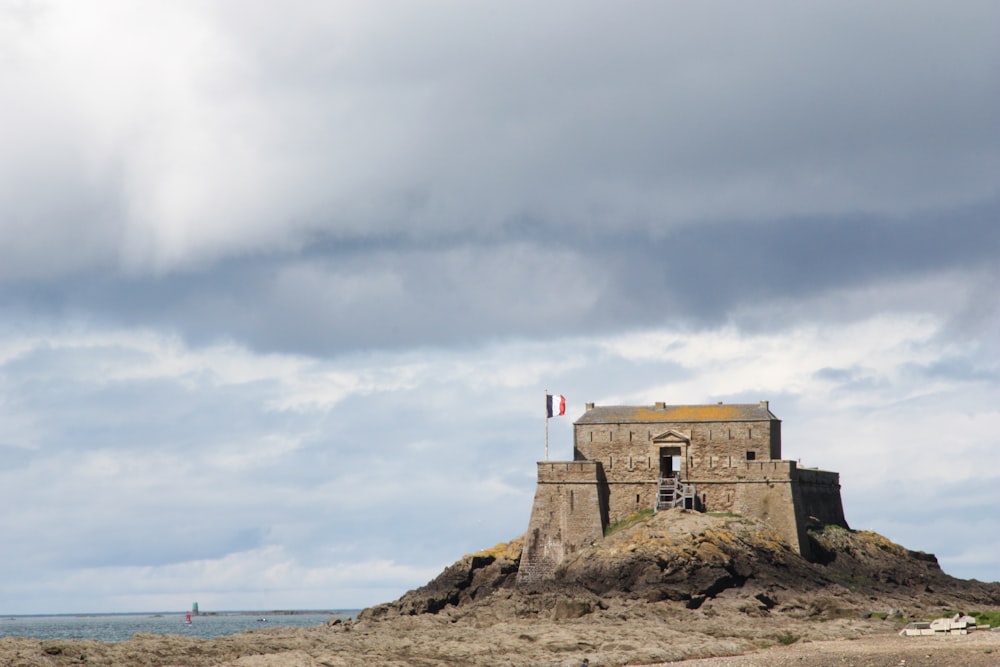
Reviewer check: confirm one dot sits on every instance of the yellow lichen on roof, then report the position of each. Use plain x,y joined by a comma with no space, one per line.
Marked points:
689,413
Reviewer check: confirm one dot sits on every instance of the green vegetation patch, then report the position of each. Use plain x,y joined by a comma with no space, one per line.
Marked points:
631,520
990,618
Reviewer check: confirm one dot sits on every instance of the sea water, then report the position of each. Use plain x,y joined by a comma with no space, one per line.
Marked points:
120,627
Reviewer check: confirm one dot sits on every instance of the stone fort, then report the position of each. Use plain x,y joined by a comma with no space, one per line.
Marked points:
718,458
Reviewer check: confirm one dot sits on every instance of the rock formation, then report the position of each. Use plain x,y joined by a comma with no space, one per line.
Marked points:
710,562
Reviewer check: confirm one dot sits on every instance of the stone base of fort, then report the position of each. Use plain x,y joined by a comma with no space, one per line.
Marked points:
574,504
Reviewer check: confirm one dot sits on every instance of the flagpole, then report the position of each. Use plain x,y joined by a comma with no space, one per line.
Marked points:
546,425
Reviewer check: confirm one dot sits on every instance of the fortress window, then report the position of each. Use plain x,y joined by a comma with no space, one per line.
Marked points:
637,499
751,456
750,433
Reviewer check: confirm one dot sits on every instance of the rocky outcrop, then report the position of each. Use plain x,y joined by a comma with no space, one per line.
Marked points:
694,559
475,577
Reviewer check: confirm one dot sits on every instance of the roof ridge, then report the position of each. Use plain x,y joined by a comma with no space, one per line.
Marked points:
661,412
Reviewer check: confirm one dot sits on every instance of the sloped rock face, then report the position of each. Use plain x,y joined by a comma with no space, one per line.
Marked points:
695,560
474,577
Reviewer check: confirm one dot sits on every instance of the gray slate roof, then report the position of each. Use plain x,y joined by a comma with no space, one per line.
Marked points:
624,414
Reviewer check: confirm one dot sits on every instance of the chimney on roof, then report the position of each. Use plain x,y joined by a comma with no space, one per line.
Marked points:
764,405
660,405
589,406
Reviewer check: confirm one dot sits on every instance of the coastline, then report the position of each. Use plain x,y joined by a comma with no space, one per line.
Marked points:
632,633
119,627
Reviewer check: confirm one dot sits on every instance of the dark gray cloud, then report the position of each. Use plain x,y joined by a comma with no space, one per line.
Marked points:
461,121
329,299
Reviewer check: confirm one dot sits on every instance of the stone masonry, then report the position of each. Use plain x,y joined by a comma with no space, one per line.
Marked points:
731,453
568,514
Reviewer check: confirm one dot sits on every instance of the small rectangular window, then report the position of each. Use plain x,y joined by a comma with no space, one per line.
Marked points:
751,456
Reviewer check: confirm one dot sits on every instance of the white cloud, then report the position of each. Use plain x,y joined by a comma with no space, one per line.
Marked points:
730,362
254,579
381,461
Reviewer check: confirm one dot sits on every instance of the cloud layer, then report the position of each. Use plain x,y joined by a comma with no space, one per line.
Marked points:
281,288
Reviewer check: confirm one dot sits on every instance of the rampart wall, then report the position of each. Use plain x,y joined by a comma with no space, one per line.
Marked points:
568,514
781,494
820,497
762,489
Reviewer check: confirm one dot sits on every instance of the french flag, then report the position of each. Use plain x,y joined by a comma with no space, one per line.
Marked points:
555,406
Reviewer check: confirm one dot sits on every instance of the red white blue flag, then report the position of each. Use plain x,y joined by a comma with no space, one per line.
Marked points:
555,406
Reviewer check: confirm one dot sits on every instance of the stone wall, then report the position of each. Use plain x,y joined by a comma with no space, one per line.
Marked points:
630,456
620,446
786,497
768,491
625,499
575,501
568,514
820,497
626,454
761,489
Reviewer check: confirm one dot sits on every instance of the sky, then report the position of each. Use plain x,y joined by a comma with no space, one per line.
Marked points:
283,285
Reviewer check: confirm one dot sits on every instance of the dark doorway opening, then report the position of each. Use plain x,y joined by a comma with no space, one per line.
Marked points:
670,462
